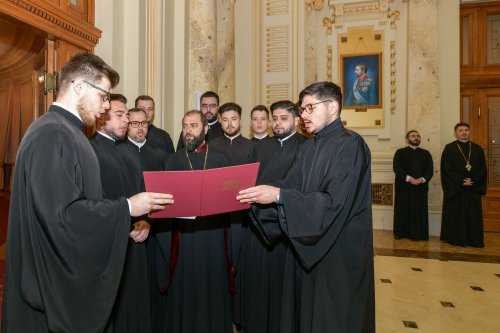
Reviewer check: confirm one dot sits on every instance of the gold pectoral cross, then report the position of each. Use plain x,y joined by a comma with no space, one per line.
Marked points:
468,167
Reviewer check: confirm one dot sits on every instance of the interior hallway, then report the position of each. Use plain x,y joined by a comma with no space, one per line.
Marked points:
421,286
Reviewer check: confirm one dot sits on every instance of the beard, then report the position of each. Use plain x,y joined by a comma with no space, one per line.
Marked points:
113,134
194,143
139,139
415,143
284,134
88,117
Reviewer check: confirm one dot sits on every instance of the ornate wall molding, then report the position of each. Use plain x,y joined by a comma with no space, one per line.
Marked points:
382,194
328,23
314,4
394,18
393,76
329,63
47,17
342,9
277,46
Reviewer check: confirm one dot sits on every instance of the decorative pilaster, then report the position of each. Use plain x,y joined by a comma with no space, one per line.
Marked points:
423,105
225,50
203,69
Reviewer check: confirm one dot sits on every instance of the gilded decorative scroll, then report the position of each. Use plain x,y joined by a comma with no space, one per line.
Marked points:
328,23
393,76
329,63
394,18
314,4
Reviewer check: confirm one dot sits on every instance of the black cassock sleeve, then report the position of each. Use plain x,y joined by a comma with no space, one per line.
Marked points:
325,192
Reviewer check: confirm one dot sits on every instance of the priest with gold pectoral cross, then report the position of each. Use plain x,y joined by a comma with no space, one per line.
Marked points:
463,176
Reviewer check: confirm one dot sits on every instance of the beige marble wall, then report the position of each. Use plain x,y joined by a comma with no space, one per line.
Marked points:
310,47
423,101
202,48
225,50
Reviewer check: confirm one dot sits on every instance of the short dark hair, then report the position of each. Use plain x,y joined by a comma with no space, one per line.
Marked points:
230,107
136,110
144,98
210,94
460,124
118,97
287,105
259,108
409,132
203,118
323,90
88,67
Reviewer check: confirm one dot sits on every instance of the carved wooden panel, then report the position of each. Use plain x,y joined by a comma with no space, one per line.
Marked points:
59,18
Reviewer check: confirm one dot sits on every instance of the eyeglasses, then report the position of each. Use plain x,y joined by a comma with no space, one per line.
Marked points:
135,124
107,94
310,107
208,106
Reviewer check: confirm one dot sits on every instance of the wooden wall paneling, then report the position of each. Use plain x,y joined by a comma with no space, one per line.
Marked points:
60,19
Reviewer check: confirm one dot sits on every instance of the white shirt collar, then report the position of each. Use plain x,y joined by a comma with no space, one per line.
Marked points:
70,110
105,135
260,137
138,144
232,137
288,137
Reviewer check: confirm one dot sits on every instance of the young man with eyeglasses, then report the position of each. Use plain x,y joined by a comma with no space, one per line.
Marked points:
66,245
121,175
153,157
156,136
209,106
324,210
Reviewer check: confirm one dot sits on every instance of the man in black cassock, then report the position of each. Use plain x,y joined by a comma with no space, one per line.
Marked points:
121,175
240,151
414,169
156,136
193,268
232,143
463,177
66,245
209,106
324,209
259,120
267,264
154,158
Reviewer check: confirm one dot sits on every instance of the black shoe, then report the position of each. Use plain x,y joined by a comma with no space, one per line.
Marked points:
397,237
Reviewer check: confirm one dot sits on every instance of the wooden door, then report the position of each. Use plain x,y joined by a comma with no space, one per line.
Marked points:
481,109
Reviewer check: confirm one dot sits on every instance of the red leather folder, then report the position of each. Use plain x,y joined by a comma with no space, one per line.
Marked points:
202,192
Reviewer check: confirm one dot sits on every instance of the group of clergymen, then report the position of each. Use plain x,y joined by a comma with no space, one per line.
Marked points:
83,255
463,178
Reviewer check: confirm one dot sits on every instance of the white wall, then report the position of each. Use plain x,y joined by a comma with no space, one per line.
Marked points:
122,44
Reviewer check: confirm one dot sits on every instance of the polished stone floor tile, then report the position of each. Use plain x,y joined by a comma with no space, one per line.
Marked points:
437,299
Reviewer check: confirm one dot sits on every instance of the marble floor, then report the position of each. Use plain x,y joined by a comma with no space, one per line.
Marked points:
435,287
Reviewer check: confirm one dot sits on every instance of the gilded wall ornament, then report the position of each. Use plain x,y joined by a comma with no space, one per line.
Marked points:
314,4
